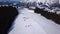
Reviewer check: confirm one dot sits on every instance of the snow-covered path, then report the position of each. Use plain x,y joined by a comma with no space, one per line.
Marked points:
31,23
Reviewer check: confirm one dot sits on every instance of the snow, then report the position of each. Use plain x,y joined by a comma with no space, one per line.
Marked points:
32,23
32,7
58,12
52,9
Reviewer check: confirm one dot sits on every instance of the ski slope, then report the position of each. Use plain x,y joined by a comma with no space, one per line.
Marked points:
28,22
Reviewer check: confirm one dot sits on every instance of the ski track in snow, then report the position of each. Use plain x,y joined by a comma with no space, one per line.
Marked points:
32,23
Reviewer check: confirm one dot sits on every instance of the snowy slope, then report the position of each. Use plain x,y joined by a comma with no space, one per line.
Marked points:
31,23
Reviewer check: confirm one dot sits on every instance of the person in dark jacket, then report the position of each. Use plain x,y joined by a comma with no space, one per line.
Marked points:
7,17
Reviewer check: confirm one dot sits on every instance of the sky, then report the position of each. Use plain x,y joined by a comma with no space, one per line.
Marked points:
43,1
9,0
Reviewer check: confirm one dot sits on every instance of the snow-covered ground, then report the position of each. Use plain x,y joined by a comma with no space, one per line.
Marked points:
32,23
